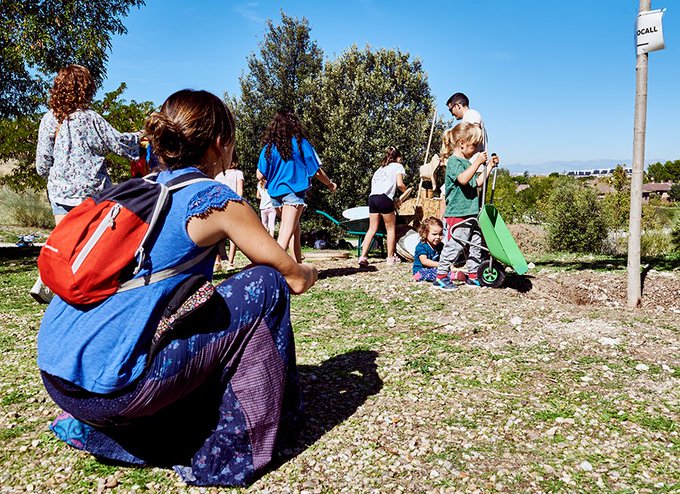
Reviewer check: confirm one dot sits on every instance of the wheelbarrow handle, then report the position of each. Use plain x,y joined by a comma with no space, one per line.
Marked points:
493,184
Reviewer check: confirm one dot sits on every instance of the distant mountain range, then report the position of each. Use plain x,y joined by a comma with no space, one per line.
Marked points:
566,166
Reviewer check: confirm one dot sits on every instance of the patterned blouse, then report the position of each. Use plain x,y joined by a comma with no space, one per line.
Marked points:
73,162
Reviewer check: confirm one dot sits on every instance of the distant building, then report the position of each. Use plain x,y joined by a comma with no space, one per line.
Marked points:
603,189
596,172
655,189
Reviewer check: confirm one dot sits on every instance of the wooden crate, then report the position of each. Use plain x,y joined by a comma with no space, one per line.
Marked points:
426,208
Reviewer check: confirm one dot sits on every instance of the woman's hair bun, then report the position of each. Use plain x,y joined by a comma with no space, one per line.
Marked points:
166,137
187,125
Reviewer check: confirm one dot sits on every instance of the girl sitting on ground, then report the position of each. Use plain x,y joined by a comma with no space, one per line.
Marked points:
426,257
428,250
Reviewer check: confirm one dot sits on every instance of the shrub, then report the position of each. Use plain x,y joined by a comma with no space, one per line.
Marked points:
27,208
656,214
616,209
675,235
674,193
575,221
654,243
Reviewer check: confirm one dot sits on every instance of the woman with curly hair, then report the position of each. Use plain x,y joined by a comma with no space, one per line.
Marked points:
288,162
73,141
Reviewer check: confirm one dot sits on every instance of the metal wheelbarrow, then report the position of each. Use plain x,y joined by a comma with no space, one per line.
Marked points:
357,227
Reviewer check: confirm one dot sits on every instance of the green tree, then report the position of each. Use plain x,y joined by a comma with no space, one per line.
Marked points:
575,222
371,100
18,139
506,197
664,172
39,37
675,235
616,205
285,74
124,117
535,198
674,193
19,136
620,180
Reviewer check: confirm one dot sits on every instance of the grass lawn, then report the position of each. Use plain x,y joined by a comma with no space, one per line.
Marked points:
547,385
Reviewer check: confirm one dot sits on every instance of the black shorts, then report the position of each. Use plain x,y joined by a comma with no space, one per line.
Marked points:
380,204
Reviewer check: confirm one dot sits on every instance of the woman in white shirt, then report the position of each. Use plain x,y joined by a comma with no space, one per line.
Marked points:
385,182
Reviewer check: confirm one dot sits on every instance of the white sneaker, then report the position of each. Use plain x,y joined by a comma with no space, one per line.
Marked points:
41,293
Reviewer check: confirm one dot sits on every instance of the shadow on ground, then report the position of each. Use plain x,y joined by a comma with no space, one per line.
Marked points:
17,265
19,252
336,272
519,283
601,264
332,392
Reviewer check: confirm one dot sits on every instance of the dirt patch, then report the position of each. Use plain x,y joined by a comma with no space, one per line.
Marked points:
608,289
531,239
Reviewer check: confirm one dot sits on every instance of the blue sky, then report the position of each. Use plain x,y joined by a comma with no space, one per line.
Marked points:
554,80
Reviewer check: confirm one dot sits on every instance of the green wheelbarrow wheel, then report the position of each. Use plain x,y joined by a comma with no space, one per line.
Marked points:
490,273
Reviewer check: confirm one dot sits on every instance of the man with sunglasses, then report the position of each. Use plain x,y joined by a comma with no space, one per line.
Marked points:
459,106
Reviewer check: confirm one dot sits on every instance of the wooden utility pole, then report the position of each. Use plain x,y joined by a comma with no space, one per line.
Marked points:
635,222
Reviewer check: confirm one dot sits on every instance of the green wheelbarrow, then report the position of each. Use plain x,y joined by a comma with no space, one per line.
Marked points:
499,243
357,228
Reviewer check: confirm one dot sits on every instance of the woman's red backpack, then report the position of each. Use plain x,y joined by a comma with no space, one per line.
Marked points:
102,243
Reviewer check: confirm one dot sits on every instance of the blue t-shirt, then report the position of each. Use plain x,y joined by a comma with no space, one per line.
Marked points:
103,348
430,253
294,175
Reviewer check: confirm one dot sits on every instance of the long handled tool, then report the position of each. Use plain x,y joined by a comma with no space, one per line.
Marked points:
429,141
427,152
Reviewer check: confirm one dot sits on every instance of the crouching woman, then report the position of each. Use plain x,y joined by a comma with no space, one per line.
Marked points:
181,372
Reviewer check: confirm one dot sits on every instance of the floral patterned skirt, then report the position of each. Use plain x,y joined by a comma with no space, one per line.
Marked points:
217,402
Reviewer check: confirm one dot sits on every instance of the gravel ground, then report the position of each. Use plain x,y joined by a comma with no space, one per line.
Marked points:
547,385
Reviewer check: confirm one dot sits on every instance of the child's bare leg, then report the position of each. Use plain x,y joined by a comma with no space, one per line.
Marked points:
232,253
373,224
295,244
390,227
290,220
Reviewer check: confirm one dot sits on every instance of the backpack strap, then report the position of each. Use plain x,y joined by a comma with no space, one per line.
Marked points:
165,273
166,189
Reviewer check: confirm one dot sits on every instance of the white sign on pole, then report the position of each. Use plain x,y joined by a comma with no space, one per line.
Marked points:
649,31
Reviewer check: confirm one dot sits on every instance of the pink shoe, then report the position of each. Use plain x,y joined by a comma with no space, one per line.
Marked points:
391,261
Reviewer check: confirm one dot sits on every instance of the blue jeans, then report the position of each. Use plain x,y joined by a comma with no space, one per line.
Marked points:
292,199
58,209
